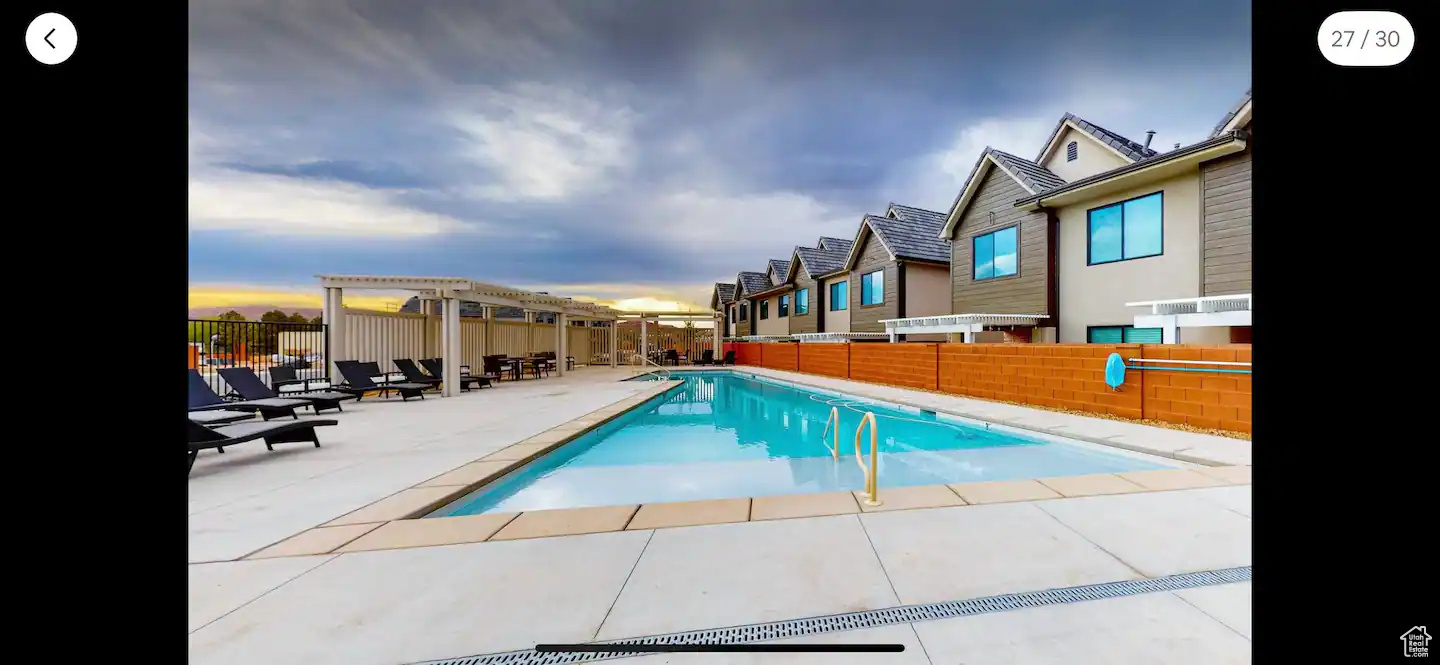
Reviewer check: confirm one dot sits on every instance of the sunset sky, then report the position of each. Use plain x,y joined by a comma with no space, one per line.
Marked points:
636,152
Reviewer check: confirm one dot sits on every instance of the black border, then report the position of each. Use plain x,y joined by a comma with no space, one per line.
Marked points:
1344,462
1090,230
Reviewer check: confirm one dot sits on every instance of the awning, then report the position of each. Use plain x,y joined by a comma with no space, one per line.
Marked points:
837,337
1208,312
968,324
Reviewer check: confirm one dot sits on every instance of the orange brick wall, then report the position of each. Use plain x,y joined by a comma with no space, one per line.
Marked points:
780,356
825,359
1200,399
910,365
1070,376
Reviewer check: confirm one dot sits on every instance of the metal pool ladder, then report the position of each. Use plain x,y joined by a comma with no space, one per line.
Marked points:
659,371
871,472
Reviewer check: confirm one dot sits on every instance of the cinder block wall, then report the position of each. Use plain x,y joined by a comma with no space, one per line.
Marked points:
780,356
825,359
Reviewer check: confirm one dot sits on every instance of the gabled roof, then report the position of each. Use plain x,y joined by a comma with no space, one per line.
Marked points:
917,239
781,267
1227,143
910,214
724,294
1032,177
837,244
817,261
752,282
1238,115
1125,148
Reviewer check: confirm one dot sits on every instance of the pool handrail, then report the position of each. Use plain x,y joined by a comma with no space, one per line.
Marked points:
659,370
872,489
834,418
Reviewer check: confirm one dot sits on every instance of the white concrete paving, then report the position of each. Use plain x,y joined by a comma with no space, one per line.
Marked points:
1227,603
400,606
248,497
1235,497
729,574
1136,630
943,554
217,589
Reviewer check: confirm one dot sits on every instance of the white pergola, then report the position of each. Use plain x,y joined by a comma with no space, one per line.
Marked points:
836,337
1172,315
968,324
646,318
451,291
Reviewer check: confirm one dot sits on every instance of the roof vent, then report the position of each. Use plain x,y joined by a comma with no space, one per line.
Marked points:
1150,134
1177,147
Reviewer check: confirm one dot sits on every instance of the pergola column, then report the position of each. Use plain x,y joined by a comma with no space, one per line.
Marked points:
333,316
614,343
562,334
644,350
425,326
489,331
529,333
450,347
719,324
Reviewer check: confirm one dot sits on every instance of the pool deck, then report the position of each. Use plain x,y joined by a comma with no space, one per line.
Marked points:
305,555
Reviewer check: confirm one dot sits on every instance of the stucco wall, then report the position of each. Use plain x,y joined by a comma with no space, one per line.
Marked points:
1096,295
776,324
1091,157
835,321
927,290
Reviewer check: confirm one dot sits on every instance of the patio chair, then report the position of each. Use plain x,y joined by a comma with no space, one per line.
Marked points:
535,367
497,367
287,377
296,431
414,374
244,381
672,357
436,367
729,358
358,382
214,418
707,357
203,398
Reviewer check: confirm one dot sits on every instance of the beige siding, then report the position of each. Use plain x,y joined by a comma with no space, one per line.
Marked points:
809,322
1091,157
1096,295
872,257
1024,293
836,321
1226,210
776,324
927,290
742,328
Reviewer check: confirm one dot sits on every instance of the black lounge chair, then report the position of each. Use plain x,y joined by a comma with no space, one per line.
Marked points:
285,377
358,382
214,418
707,357
244,381
729,358
672,357
203,398
294,431
414,374
436,367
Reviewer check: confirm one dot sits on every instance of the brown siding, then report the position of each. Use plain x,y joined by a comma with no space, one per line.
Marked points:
804,323
1026,292
866,318
1225,215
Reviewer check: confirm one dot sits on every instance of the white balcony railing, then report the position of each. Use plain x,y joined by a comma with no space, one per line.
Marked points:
836,337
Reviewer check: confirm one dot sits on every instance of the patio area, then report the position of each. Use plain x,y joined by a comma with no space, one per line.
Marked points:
404,604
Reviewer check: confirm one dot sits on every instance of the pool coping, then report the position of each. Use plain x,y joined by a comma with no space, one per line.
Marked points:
395,521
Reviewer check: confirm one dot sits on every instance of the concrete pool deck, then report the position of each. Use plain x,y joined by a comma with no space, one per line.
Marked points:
375,589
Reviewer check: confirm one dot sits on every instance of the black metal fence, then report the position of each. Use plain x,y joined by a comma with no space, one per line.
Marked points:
298,349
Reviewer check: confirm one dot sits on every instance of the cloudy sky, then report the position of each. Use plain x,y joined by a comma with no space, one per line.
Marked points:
640,150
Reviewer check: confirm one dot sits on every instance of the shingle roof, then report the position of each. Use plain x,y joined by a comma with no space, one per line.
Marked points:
1220,126
837,244
911,214
781,267
818,261
753,282
1135,151
725,291
1034,176
915,238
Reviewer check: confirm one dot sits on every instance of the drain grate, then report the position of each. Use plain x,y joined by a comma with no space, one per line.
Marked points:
762,632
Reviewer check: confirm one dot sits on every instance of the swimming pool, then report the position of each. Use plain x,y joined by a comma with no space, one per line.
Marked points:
723,434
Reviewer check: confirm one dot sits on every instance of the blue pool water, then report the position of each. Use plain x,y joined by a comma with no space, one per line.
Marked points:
724,435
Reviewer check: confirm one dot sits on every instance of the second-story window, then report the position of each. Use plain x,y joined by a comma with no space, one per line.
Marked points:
839,296
764,309
784,306
997,254
872,288
802,301
744,312
1072,150
1132,229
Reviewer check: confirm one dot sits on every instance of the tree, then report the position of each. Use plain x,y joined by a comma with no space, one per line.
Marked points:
231,315
275,316
297,317
319,319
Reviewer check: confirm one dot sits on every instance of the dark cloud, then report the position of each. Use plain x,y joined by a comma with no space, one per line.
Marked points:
645,141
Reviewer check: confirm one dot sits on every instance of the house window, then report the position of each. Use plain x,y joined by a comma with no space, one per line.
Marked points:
744,312
872,288
784,306
802,301
1123,335
1072,151
839,296
764,309
997,254
1127,230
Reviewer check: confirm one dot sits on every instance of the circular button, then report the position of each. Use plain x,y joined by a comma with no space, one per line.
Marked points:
50,38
